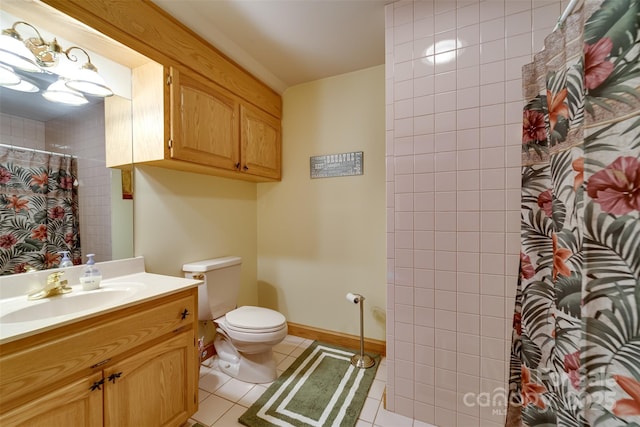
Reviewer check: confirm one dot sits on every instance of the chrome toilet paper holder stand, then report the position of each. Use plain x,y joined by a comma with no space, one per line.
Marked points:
361,360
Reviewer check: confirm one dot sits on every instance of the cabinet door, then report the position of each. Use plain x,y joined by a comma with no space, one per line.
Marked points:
204,122
261,142
74,404
156,387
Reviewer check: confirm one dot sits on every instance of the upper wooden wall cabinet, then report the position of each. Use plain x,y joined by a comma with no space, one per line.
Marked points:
194,109
207,129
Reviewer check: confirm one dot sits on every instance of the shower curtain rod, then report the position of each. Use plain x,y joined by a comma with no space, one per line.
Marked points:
567,11
33,150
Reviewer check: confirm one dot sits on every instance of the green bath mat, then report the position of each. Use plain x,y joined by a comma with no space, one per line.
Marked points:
321,388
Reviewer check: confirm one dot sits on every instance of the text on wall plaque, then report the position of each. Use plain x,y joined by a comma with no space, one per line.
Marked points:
331,165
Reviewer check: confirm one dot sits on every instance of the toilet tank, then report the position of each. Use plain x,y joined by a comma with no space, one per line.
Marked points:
219,293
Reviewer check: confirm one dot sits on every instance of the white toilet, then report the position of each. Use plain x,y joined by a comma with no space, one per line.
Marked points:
245,335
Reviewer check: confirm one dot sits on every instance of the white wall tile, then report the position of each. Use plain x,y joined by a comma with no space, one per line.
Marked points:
518,23
467,304
468,118
403,34
518,45
402,57
468,241
423,144
492,72
423,27
546,15
468,15
468,56
491,9
492,30
445,21
469,36
445,181
468,139
445,101
423,9
491,94
468,78
468,180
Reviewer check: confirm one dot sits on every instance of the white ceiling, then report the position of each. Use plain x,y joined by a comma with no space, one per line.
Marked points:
288,42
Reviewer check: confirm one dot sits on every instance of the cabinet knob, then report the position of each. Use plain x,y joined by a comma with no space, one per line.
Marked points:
245,168
184,314
237,165
96,385
114,377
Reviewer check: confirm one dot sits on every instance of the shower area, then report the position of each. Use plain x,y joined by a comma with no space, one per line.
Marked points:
513,235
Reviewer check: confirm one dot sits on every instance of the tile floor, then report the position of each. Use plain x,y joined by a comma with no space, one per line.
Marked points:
223,399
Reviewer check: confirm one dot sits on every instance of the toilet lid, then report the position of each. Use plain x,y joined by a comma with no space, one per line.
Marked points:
255,318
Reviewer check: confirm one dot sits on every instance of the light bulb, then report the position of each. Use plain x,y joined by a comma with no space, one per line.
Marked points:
59,92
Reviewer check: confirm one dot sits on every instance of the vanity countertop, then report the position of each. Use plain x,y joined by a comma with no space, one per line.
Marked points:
20,317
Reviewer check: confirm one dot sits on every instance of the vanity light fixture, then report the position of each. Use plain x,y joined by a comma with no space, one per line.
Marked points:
37,55
59,91
14,52
11,80
23,86
87,80
7,76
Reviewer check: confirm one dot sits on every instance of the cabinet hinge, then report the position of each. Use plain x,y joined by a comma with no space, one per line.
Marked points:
169,80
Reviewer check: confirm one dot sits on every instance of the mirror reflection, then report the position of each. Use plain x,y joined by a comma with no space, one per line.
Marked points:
56,192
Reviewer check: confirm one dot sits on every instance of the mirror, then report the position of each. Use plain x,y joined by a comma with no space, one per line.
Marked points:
32,124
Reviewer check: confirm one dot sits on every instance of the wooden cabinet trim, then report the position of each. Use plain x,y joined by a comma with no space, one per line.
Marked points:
162,38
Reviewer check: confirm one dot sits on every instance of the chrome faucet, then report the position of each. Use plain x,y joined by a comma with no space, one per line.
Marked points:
54,286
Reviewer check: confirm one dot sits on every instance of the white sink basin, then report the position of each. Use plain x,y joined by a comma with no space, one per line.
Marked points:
21,309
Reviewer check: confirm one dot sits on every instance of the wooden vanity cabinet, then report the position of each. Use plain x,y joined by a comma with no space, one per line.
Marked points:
135,366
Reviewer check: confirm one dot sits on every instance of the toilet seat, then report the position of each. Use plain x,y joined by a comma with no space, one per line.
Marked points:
250,319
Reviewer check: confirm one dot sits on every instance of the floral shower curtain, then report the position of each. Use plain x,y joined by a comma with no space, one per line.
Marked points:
575,357
38,210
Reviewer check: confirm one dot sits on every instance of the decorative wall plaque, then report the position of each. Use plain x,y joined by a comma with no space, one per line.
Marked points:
330,165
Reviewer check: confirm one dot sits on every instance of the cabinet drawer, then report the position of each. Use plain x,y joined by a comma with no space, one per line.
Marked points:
31,364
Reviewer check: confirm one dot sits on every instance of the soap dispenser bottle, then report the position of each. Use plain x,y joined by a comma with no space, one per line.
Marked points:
65,262
91,276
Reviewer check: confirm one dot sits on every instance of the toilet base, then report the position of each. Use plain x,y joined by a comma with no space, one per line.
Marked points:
256,368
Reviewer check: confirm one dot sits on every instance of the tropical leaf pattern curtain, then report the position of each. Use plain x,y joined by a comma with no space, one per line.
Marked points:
38,210
575,358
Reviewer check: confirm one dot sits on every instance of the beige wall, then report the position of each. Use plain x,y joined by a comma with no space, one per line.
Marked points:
321,238
182,217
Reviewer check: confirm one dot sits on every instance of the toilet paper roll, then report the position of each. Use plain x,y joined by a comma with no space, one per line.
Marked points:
354,298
